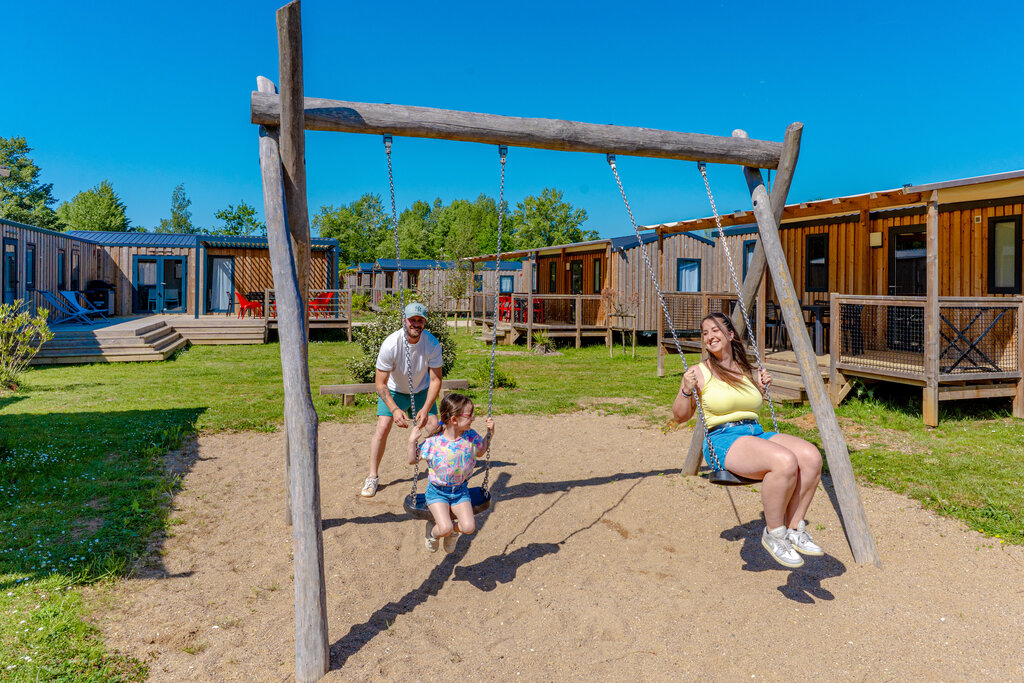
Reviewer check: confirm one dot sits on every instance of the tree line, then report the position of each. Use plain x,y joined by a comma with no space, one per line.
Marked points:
363,227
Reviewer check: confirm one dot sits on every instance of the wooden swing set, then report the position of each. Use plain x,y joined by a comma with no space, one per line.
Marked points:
283,119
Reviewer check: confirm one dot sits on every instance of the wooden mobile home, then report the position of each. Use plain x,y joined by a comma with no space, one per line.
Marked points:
559,288
434,280
192,274
35,260
874,307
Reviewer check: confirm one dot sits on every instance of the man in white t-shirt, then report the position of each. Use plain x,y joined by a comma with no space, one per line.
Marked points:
394,394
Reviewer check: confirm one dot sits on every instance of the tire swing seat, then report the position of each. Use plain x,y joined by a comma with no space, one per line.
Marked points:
416,504
727,478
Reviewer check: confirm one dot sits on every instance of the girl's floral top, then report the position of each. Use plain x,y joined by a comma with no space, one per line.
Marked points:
451,462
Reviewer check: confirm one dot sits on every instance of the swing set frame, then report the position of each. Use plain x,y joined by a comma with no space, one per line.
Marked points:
283,119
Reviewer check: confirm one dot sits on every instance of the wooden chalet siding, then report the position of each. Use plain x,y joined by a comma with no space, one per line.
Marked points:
116,269
253,272
857,268
47,246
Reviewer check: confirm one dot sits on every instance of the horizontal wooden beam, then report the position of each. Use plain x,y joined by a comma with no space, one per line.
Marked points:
803,211
556,134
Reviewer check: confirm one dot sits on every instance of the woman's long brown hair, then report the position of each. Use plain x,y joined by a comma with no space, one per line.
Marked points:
739,351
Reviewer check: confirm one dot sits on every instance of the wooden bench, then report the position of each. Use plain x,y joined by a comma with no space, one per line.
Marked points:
349,391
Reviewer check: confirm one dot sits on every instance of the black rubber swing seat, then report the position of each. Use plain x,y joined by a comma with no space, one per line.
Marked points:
727,478
417,507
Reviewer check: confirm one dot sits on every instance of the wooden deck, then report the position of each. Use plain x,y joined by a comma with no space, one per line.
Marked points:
145,337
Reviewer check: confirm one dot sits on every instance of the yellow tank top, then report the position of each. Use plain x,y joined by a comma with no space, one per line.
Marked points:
725,403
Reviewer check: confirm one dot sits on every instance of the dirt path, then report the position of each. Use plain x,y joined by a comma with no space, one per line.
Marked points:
597,561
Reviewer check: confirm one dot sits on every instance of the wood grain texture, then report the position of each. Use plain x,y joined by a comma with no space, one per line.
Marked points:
555,134
862,543
301,425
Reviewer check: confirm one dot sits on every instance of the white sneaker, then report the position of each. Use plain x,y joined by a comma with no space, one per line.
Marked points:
369,488
780,549
450,541
802,541
429,539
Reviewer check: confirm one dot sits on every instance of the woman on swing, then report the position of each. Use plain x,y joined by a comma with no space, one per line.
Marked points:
788,466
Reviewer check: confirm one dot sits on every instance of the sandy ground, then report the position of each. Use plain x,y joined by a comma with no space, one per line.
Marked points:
597,561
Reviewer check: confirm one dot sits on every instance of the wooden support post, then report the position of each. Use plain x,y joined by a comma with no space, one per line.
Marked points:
835,349
529,315
1018,399
930,397
284,191
780,191
579,321
661,313
862,543
754,280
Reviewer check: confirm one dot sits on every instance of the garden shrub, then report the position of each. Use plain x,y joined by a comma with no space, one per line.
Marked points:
21,336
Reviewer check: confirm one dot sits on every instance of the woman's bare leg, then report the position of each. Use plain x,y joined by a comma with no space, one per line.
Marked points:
442,519
808,460
775,465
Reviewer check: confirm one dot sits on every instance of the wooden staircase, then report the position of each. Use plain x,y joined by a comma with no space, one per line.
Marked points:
207,330
787,382
154,340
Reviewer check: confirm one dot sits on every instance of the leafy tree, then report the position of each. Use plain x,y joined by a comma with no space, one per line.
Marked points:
359,228
415,226
240,220
468,228
22,197
546,220
98,208
181,218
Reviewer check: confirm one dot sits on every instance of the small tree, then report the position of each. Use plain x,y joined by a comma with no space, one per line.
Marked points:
98,208
456,286
623,306
239,220
181,218
21,336
386,321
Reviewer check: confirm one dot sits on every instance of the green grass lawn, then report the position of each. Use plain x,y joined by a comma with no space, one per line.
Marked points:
84,490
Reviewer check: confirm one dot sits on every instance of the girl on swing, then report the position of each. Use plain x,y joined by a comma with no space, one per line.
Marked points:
789,467
450,453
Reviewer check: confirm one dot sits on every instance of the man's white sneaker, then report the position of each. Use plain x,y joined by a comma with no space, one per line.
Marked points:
779,548
802,541
369,488
429,539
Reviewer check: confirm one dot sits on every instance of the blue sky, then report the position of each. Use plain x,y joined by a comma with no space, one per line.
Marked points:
149,95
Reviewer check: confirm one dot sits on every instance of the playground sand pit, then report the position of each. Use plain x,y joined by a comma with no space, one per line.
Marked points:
597,561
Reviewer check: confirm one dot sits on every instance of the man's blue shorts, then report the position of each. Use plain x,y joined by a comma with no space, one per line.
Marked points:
724,436
459,493
403,402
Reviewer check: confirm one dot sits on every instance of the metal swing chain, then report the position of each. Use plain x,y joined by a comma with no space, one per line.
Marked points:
503,152
401,300
664,308
739,288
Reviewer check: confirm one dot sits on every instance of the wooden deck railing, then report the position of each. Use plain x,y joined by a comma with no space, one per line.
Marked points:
978,337
325,305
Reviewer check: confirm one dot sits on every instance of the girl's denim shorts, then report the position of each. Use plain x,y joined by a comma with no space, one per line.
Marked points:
452,495
724,436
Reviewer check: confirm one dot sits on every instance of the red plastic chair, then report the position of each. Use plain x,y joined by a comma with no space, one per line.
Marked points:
320,304
505,308
246,306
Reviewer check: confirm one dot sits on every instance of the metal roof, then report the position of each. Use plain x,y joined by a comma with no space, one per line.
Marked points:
1010,175
178,240
412,264
135,239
